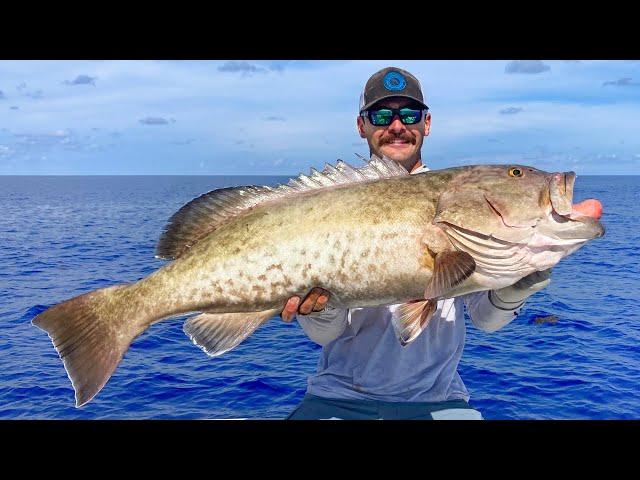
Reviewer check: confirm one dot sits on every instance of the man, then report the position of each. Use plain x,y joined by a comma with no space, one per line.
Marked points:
363,371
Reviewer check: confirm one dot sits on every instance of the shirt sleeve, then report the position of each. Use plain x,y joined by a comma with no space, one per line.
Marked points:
325,326
486,315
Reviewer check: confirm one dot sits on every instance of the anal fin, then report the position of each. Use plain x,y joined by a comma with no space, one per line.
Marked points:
216,333
410,319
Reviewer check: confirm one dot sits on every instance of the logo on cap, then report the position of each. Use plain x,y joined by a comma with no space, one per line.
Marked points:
394,81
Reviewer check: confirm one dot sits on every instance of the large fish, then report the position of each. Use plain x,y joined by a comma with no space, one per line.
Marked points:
371,236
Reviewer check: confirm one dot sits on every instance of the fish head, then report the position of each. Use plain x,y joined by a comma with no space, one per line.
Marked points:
519,204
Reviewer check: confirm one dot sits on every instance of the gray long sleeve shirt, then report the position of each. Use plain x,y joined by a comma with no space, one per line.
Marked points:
362,358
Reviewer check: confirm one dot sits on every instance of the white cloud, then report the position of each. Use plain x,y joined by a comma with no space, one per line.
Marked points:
5,150
245,68
184,142
526,66
154,121
622,82
82,80
510,110
36,94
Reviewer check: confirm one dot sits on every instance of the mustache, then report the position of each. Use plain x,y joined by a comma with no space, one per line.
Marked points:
391,138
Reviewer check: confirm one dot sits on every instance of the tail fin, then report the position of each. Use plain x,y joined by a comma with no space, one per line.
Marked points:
91,335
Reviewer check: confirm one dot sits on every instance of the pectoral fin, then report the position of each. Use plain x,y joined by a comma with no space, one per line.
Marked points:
220,332
450,269
410,319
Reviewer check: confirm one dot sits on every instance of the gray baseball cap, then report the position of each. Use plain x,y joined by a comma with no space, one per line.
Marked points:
390,82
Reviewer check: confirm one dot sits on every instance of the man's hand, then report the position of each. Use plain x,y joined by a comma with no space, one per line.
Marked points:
315,301
523,288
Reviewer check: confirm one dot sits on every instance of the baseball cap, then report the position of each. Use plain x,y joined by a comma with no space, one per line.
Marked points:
390,82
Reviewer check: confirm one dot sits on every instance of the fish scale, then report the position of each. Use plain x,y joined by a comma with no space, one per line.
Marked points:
305,254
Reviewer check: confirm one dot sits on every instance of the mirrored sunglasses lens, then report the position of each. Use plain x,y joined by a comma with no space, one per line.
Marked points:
381,117
409,116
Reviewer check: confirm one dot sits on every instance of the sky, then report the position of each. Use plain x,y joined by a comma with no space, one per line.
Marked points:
283,117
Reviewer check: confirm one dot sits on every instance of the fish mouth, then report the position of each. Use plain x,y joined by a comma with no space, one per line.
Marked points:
580,221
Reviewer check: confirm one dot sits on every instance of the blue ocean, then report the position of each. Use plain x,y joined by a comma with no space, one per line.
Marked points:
64,236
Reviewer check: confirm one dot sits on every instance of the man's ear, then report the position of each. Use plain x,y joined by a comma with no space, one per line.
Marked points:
427,124
360,124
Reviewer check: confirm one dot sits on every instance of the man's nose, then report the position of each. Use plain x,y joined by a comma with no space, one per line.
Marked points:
396,125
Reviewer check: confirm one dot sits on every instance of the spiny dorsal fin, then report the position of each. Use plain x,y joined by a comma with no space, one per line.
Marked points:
201,216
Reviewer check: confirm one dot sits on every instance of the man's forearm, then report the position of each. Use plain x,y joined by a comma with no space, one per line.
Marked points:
488,313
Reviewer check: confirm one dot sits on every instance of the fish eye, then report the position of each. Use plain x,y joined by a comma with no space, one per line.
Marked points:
516,172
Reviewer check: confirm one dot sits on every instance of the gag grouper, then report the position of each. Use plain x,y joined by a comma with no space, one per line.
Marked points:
371,236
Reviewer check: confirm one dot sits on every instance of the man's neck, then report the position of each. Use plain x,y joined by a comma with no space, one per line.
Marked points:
416,166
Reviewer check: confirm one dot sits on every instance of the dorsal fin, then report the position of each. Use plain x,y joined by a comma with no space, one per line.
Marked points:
203,215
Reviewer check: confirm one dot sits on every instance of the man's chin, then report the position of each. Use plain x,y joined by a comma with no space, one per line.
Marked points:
396,154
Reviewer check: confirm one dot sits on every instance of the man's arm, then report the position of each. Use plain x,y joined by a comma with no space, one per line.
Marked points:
492,310
321,324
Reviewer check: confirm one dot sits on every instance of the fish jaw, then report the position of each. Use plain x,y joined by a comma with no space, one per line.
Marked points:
568,229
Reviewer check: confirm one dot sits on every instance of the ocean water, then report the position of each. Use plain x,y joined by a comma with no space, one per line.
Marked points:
63,236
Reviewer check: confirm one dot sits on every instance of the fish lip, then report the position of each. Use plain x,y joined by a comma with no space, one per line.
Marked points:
561,192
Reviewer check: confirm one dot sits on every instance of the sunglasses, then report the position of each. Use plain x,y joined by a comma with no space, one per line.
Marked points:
384,116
